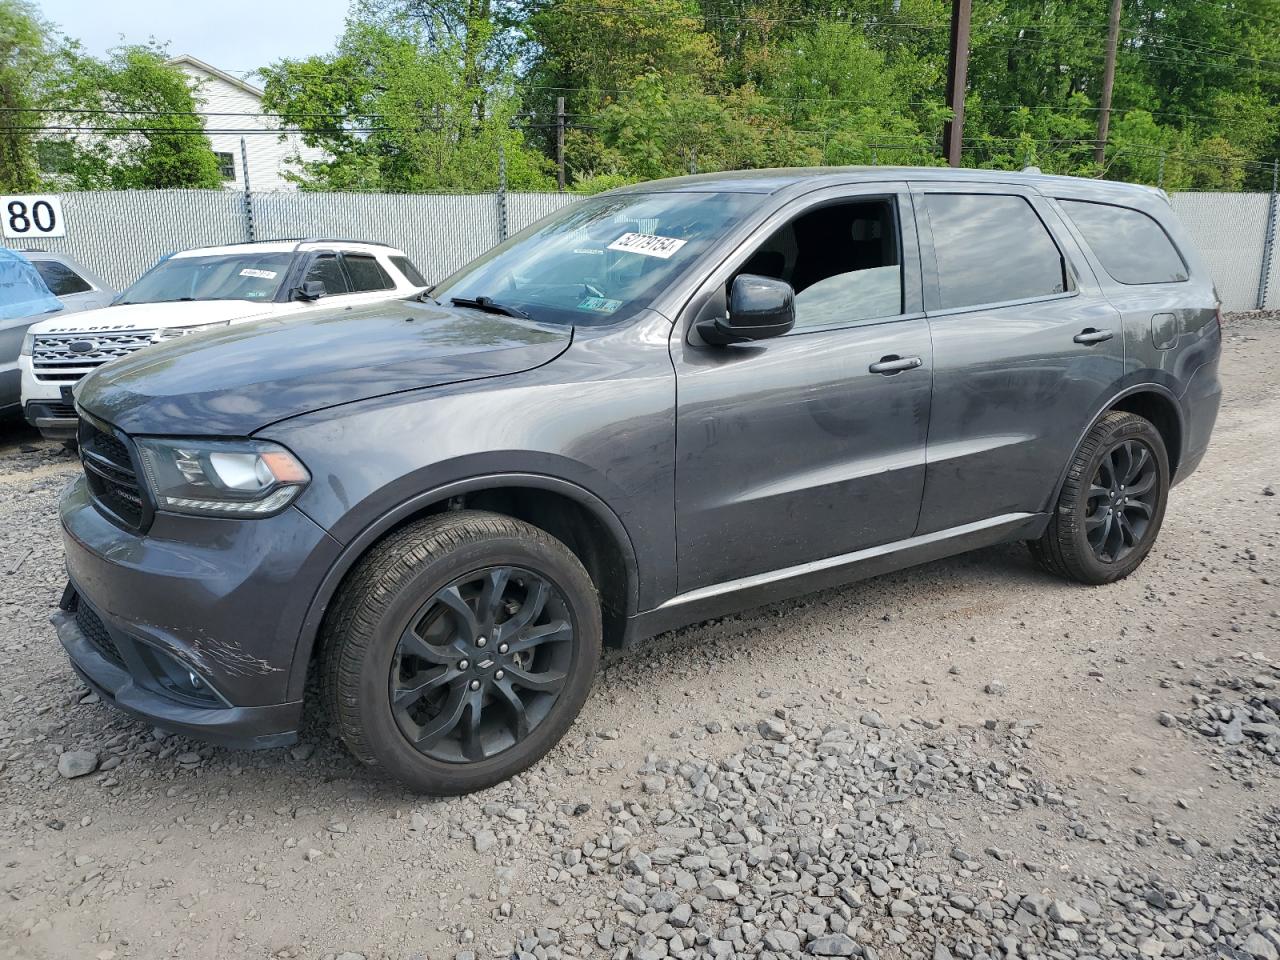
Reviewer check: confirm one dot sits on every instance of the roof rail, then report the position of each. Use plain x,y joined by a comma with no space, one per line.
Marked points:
369,243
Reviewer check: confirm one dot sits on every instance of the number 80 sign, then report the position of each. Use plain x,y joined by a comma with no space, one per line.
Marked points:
30,216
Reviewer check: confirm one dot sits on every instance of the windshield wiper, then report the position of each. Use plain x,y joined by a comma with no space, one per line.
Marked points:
489,305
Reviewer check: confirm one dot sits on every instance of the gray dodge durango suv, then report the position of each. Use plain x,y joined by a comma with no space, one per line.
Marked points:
656,406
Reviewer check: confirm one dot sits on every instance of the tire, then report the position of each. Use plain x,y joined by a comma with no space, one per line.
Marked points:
399,623
1122,535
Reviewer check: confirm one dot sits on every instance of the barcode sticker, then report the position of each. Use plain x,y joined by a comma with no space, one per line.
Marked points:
647,244
260,274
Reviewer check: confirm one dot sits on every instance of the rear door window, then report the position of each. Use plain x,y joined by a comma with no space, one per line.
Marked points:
328,271
1131,246
61,280
411,273
366,273
992,248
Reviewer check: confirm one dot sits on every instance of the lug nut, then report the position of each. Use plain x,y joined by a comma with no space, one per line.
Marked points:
481,641
503,647
463,664
475,684
499,674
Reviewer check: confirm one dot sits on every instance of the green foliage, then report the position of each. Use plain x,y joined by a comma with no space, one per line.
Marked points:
401,107
22,57
146,136
424,95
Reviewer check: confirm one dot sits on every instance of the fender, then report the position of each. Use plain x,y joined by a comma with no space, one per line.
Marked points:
1143,387
358,544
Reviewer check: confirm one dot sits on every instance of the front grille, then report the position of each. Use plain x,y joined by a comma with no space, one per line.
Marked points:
62,356
96,632
113,481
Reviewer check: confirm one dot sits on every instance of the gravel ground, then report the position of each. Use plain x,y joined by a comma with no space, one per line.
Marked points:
970,759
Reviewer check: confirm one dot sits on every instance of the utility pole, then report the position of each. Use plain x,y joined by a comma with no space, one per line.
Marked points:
1108,82
957,79
560,144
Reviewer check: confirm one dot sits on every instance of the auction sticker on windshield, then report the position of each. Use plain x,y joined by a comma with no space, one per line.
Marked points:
260,274
600,305
647,244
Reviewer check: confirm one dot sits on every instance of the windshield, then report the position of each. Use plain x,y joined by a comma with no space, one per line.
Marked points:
602,259
240,276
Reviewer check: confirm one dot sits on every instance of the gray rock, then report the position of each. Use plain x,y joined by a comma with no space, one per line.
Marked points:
1062,912
1233,732
720,890
772,729
1260,947
484,840
833,945
782,941
77,763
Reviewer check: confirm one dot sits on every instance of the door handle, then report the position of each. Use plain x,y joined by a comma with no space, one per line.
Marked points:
895,364
1091,336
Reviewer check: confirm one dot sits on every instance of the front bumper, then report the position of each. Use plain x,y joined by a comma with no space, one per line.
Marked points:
223,599
55,419
250,728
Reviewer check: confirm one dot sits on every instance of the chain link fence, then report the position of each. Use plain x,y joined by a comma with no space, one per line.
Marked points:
120,234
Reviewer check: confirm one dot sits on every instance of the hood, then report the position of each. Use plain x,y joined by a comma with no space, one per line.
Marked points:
150,316
233,381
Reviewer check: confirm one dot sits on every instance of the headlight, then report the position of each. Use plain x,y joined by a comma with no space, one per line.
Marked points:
28,343
221,478
169,333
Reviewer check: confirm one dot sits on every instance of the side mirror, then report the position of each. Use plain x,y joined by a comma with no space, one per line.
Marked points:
759,308
310,290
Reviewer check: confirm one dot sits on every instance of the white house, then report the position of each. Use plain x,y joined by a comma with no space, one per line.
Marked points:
226,102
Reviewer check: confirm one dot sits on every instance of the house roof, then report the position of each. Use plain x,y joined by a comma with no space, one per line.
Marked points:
213,71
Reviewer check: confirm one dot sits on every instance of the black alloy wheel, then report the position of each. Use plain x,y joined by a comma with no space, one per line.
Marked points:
481,663
1108,513
1123,497
460,649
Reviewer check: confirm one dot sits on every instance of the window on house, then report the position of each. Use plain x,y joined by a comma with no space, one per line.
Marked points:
842,260
226,164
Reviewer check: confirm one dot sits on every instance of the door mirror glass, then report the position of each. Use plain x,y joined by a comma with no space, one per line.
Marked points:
759,308
310,290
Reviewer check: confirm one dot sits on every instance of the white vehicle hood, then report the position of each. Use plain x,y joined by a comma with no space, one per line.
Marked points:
153,316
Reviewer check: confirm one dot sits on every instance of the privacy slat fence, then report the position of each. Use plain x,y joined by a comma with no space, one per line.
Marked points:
122,233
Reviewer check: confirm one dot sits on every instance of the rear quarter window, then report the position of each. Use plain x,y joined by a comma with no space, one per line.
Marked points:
1131,246
61,280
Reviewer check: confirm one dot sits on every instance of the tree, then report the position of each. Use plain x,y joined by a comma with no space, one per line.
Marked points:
144,134
399,107
23,54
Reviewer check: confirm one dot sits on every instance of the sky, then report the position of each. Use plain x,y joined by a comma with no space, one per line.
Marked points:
233,35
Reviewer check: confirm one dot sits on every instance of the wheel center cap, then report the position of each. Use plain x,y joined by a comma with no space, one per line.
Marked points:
485,664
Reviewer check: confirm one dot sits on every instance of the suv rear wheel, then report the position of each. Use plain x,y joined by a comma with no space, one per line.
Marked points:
460,650
1112,504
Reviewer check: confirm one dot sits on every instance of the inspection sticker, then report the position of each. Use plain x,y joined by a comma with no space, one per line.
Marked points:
260,274
600,305
647,244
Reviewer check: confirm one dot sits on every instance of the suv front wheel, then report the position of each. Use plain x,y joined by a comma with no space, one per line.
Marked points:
459,650
1111,505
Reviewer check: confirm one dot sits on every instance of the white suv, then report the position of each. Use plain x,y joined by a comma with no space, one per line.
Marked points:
197,290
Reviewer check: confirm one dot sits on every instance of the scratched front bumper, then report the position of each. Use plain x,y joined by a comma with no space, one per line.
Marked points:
225,598
252,728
